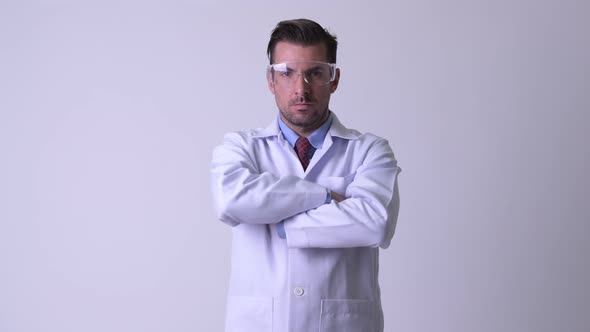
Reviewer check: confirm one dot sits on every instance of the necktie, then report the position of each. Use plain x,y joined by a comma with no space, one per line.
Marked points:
303,146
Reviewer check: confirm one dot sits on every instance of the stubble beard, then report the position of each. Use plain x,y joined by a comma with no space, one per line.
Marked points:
307,120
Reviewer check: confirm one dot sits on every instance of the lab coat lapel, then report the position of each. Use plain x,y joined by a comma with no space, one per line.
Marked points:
287,147
337,130
319,153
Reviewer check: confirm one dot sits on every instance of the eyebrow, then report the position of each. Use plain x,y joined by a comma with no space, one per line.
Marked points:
317,66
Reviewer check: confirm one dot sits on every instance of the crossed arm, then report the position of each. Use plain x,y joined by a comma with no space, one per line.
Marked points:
365,215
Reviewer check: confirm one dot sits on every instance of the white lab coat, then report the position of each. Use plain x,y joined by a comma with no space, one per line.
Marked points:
323,277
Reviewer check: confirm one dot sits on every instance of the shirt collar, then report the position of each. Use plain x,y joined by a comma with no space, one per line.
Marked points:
316,138
336,130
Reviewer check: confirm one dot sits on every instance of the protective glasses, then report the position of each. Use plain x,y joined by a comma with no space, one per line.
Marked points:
313,72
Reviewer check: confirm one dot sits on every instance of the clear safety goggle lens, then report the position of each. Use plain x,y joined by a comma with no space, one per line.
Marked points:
314,73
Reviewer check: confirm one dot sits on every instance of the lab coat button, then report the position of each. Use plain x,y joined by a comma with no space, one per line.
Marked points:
298,291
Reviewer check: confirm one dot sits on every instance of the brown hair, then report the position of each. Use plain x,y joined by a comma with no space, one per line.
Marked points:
302,32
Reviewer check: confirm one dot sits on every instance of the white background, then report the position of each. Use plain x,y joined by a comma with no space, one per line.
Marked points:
109,112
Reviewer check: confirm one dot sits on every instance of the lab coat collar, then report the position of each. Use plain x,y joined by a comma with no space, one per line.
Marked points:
337,129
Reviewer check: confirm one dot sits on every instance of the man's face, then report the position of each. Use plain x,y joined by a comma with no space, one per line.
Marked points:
303,106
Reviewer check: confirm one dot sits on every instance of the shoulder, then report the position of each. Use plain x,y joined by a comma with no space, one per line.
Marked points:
270,131
354,136
368,143
246,138
369,137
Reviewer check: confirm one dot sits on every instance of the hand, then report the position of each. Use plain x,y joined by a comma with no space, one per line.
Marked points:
337,197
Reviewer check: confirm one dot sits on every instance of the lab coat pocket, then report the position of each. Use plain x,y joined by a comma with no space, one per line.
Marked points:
337,184
348,316
247,314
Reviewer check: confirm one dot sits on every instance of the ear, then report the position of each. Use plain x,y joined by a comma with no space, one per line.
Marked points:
334,84
271,85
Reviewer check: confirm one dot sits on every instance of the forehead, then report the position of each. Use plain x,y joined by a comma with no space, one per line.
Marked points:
288,52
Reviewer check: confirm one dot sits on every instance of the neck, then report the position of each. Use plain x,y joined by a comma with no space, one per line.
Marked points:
306,131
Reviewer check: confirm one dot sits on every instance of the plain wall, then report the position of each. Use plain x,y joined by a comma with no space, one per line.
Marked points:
109,112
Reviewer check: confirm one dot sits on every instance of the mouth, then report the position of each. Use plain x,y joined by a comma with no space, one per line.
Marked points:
302,102
301,107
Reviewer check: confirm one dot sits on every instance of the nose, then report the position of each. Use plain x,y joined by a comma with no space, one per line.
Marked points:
300,86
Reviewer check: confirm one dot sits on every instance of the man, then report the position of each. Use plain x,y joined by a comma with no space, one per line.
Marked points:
310,201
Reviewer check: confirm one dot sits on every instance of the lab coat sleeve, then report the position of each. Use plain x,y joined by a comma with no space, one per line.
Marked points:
367,218
242,194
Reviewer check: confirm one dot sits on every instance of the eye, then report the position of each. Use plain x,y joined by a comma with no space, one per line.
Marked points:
316,73
286,73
